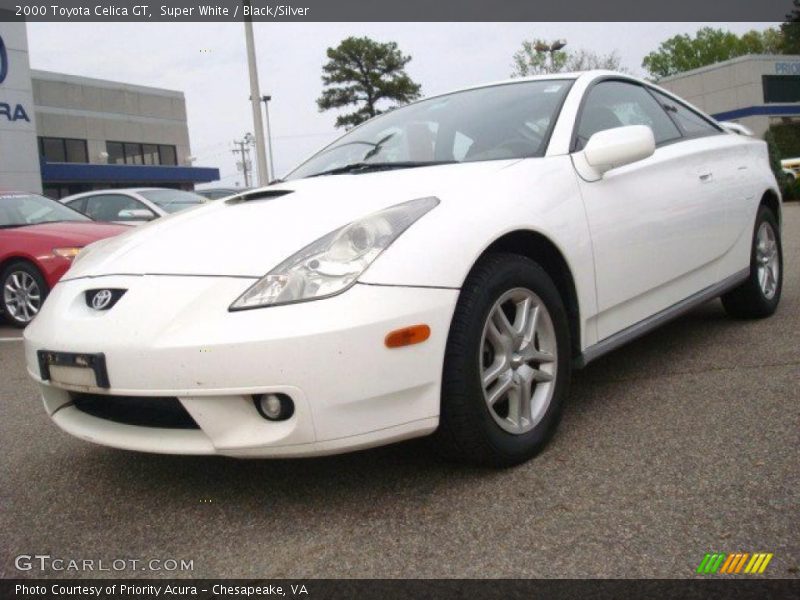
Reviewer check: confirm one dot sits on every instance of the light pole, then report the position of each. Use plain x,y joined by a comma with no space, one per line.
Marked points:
270,157
258,126
550,49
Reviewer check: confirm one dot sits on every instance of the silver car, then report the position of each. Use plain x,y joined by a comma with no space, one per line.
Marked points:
132,206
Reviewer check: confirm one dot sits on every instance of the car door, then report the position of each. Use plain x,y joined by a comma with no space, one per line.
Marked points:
655,225
726,162
118,208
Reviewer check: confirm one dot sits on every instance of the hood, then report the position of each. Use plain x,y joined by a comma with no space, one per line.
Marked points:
249,238
77,233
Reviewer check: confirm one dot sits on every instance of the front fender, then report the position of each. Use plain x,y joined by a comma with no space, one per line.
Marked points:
538,195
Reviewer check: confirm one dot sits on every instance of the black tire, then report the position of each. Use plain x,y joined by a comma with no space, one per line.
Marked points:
467,431
13,317
749,301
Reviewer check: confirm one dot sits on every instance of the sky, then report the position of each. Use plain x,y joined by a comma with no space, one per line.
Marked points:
207,62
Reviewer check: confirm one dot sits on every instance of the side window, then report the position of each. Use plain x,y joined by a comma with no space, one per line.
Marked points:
691,123
108,207
79,205
613,104
461,145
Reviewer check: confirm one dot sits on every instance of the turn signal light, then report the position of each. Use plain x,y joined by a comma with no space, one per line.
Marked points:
416,334
68,253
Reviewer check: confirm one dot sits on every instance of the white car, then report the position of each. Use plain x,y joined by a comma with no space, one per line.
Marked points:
439,269
132,206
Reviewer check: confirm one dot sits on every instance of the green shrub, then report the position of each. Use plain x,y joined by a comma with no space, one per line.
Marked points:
775,159
791,190
787,139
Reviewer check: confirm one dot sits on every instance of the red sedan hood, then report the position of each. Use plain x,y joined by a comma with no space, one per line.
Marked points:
77,233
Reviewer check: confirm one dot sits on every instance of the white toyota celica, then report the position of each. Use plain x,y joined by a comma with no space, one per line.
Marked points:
439,269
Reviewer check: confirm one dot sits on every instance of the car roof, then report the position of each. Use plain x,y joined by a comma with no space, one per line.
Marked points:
111,191
573,75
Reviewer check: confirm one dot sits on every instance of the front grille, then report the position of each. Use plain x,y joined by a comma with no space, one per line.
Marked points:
167,413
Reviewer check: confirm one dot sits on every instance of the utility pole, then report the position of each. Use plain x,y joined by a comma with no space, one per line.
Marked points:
255,100
244,150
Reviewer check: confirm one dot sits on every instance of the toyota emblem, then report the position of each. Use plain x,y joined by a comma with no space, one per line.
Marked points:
101,299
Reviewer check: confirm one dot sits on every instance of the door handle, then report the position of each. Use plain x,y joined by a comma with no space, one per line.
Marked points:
705,175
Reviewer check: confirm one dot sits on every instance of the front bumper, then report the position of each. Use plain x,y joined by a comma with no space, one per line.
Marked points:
173,336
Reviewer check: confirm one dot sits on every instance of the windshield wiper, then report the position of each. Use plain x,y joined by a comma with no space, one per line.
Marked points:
365,167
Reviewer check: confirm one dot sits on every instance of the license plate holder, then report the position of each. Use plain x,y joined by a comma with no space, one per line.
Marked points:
95,362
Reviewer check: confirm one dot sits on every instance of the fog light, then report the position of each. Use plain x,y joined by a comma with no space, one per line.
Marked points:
274,407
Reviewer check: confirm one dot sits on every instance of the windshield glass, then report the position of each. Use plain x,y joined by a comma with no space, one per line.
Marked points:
18,210
172,201
499,122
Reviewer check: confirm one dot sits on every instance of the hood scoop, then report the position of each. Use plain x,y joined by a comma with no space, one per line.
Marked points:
257,195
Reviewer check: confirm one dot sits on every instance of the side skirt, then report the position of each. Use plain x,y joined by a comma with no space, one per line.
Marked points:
650,323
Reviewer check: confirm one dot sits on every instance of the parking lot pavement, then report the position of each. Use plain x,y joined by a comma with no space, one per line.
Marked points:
9,334
685,442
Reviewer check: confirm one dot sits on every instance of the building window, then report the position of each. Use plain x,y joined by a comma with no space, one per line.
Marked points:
150,154
63,150
168,155
781,88
134,153
116,153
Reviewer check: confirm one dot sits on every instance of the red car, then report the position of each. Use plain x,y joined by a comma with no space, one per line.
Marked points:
39,237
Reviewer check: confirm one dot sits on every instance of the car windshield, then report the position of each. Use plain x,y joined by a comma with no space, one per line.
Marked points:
492,123
19,210
173,201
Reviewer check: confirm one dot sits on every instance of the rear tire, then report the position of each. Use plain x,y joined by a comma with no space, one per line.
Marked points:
507,364
22,292
759,295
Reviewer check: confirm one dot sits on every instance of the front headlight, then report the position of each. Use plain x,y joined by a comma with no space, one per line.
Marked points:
334,262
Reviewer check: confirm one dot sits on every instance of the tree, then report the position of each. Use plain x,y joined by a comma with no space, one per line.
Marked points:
366,74
533,60
790,31
683,52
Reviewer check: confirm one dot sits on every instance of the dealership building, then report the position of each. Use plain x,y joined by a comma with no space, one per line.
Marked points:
63,134
756,90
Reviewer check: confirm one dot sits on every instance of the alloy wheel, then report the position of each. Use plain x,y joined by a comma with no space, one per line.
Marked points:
22,296
518,358
767,260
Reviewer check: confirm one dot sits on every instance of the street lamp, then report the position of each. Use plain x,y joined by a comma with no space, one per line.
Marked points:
261,159
550,49
265,100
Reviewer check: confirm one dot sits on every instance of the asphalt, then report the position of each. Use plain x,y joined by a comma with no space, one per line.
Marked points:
686,441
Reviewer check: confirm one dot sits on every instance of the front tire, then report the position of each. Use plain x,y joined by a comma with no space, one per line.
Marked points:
23,292
507,364
759,295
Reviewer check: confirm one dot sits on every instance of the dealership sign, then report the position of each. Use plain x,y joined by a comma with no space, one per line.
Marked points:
12,112
787,68
3,61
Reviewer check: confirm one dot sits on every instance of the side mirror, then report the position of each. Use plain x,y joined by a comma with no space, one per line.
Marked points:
135,214
614,148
